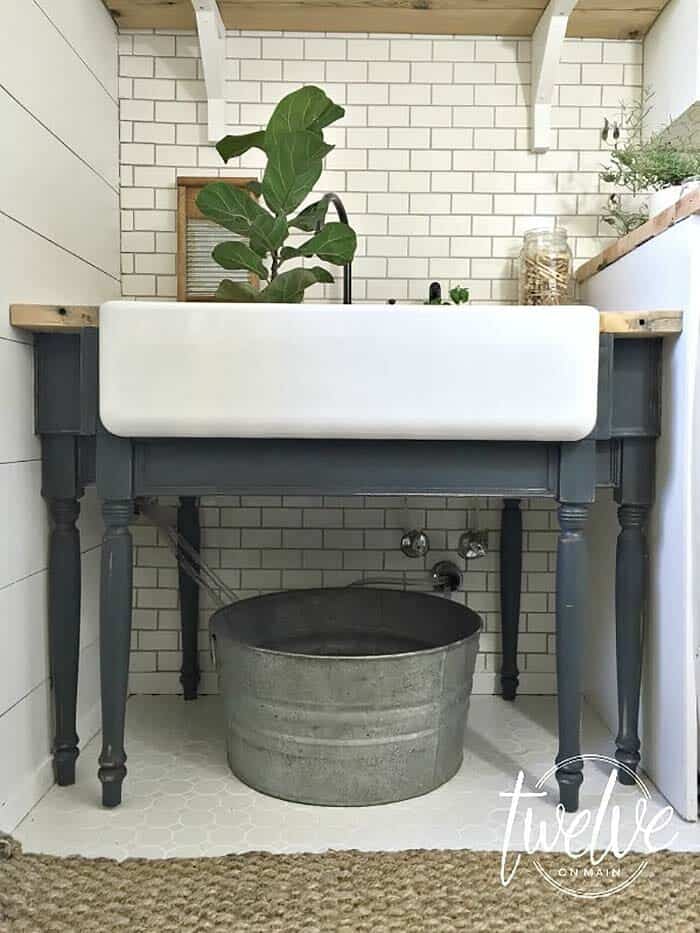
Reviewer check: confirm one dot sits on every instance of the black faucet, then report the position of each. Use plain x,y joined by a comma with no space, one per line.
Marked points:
435,294
333,199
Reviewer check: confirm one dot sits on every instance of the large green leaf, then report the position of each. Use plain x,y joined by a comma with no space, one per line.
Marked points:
290,286
236,291
308,108
229,206
233,255
331,113
312,217
231,146
335,243
268,233
294,166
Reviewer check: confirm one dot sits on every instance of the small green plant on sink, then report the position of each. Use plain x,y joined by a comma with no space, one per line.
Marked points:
294,146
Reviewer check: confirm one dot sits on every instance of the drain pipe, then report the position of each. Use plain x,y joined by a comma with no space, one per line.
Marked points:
445,577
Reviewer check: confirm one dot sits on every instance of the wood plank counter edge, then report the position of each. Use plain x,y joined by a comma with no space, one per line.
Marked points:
54,318
681,210
71,318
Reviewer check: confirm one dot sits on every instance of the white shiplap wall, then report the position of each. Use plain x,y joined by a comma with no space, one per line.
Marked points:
59,242
432,161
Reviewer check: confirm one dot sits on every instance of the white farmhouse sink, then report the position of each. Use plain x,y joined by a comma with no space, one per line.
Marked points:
483,372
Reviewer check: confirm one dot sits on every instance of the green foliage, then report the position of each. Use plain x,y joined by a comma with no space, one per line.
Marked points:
294,146
268,234
231,207
332,243
290,286
651,165
620,220
459,295
237,255
230,147
293,168
641,164
312,217
237,291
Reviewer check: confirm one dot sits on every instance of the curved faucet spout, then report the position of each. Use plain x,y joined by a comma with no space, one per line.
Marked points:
335,200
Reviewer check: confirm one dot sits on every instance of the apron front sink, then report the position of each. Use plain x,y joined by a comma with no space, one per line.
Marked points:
484,372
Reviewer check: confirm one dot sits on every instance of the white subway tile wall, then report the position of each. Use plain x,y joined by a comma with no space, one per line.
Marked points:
258,544
432,162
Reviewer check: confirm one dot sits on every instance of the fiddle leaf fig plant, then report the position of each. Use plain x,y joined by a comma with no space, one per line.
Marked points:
295,148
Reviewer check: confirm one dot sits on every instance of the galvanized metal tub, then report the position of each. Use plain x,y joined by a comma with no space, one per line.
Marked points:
345,697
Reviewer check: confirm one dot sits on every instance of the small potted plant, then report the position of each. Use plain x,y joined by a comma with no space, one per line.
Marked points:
657,164
265,216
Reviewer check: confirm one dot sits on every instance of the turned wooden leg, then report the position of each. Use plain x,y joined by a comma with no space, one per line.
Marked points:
188,527
572,584
630,591
115,634
64,632
511,564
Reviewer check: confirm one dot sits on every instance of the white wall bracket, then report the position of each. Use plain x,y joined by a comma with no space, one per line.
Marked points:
212,45
547,43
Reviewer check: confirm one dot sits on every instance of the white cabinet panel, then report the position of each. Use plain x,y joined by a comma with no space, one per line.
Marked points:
661,274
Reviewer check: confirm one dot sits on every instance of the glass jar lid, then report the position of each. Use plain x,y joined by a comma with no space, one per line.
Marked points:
557,234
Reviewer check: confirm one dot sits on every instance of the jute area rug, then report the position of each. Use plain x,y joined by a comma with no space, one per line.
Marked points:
337,892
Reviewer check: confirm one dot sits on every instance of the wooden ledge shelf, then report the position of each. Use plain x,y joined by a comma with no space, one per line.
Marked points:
46,319
641,323
681,210
599,19
43,319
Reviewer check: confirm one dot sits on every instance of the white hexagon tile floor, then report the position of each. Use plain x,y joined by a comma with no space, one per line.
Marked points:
180,799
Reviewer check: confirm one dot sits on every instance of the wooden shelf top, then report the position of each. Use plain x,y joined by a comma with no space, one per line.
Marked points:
686,207
67,319
47,319
601,19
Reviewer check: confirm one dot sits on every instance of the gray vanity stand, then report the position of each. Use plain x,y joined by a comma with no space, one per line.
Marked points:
77,451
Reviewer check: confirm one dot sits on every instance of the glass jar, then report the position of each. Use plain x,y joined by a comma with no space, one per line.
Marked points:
546,268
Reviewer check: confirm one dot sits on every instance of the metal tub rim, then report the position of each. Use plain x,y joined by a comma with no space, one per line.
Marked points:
464,611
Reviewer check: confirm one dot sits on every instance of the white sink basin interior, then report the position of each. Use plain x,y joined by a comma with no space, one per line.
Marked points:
480,372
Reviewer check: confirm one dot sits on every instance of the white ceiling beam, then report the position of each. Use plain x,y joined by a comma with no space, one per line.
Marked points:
212,46
547,43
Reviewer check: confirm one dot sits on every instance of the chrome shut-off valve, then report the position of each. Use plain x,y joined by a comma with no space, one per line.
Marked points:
415,543
474,542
